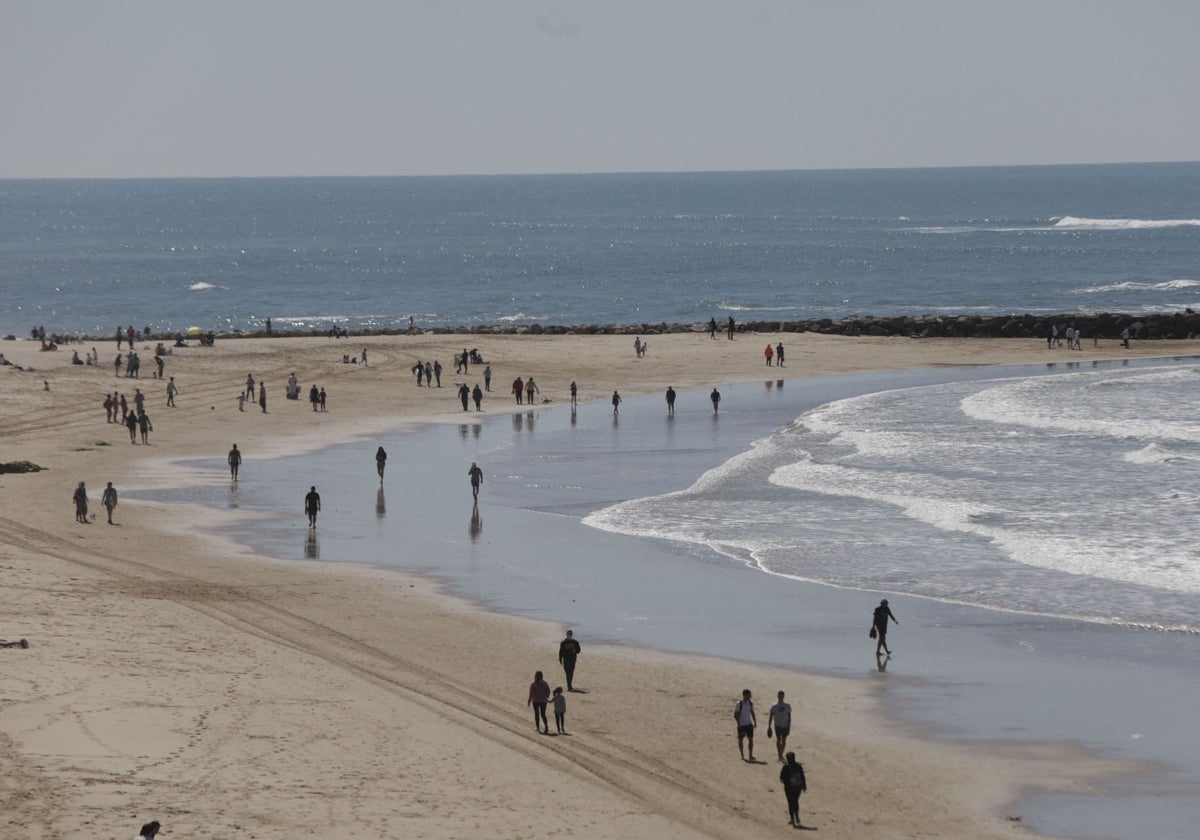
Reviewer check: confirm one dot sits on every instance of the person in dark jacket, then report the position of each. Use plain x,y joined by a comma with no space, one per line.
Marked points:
794,784
568,650
880,624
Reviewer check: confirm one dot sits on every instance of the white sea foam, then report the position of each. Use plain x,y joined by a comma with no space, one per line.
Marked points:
1082,223
202,286
1136,286
1059,494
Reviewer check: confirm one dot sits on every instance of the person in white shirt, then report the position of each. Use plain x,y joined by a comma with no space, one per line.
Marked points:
780,719
743,713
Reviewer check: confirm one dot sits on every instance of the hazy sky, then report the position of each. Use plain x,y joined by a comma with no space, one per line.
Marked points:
391,87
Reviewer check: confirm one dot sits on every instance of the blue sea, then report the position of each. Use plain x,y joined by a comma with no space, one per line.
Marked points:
1032,526
82,256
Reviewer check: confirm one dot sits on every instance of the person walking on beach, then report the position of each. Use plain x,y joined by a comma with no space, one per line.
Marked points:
477,395
712,328
419,370
241,400
780,718
139,400
117,366
108,408
487,378
234,459
81,503
574,392
560,711
109,500
476,476
172,390
1125,338
779,354
670,401
464,395
312,506
715,396
879,626
531,388
250,387
616,401
131,423
769,353
124,408
568,650
262,396
144,427
743,713
518,388
539,696
321,397
380,462
731,328
791,774
437,372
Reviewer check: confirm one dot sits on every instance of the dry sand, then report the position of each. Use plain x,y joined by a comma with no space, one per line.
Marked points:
173,676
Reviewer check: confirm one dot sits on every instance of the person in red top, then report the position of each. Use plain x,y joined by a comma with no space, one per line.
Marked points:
769,353
518,389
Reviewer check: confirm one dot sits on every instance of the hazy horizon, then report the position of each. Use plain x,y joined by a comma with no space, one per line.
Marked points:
138,89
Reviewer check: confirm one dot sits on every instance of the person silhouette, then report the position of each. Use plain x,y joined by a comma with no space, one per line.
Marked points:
312,506
476,476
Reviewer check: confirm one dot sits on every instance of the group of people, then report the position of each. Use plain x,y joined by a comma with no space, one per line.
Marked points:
317,398
525,390
463,360
779,726
136,420
540,694
248,394
108,499
428,371
466,394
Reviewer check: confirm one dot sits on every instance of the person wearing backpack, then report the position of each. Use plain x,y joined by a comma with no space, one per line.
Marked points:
743,713
794,784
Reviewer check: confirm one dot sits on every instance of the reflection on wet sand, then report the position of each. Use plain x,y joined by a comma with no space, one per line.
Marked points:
476,526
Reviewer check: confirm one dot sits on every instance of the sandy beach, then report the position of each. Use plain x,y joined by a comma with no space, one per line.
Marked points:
176,676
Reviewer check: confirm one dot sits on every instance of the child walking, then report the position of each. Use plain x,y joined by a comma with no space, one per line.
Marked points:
560,711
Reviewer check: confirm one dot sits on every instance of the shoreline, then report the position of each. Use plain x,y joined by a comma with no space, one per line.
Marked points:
328,625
